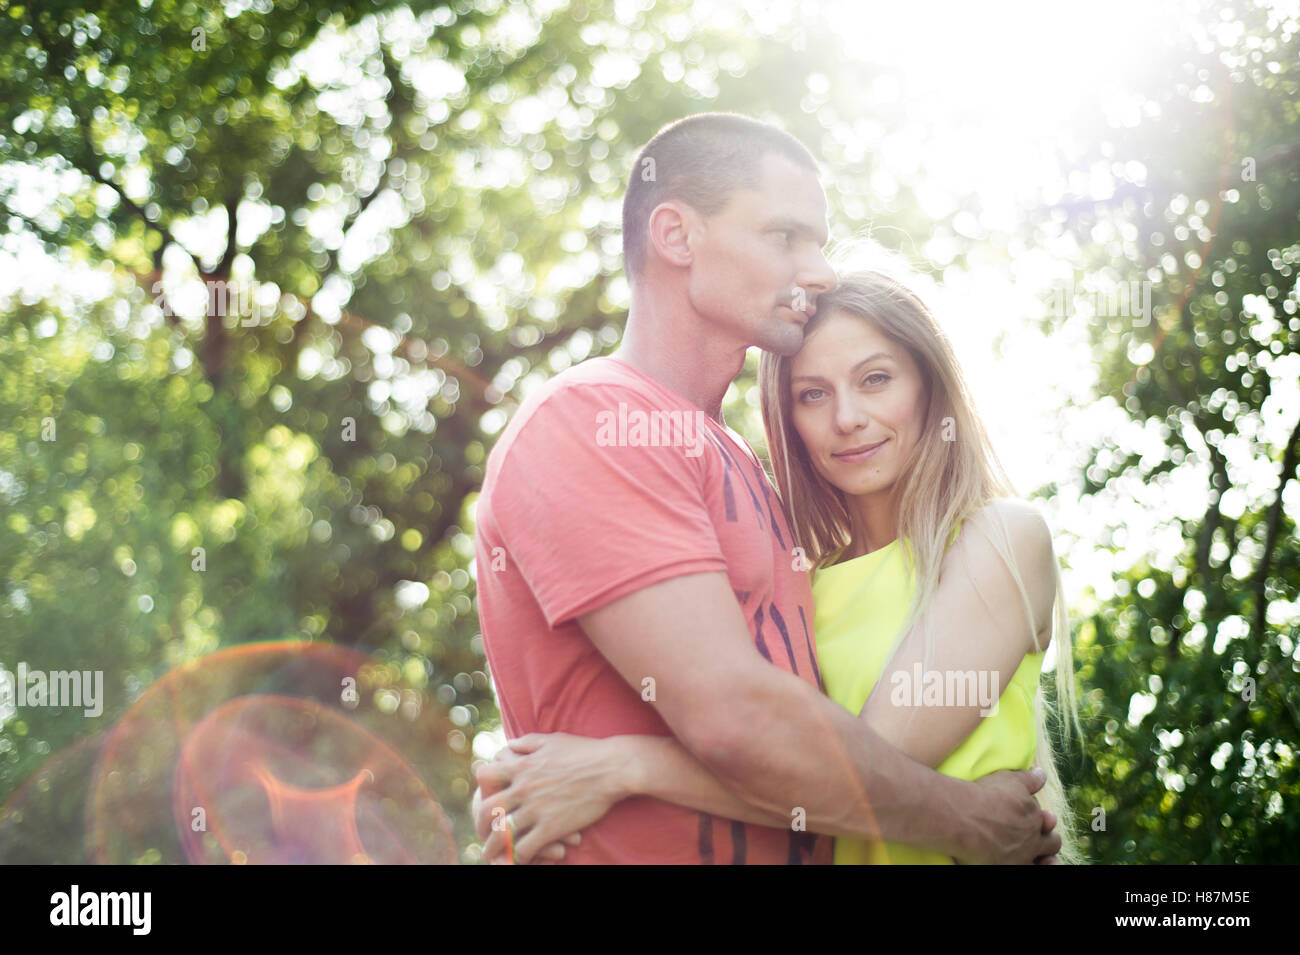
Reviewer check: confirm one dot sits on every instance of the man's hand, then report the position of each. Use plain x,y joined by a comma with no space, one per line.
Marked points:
549,786
1011,827
1049,825
551,855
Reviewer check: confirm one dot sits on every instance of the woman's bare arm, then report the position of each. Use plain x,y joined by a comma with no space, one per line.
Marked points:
981,634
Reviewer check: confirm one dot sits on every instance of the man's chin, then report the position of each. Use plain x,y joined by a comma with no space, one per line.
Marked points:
785,340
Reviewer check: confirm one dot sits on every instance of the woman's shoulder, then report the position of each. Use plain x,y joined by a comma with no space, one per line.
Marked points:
1010,539
1022,522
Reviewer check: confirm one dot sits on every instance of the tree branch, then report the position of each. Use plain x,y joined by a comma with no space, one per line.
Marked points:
162,230
1213,518
1289,460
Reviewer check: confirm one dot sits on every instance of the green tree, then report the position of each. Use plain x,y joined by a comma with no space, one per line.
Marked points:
345,238
1190,670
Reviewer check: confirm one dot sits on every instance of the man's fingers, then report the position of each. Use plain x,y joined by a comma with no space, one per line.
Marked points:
493,779
493,776
1050,834
1034,779
482,814
526,743
492,811
499,839
494,845
574,838
532,835
554,851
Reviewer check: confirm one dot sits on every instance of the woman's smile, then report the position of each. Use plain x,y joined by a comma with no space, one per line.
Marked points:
860,453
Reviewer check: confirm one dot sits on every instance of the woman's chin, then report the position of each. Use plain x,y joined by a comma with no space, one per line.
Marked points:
863,485
856,486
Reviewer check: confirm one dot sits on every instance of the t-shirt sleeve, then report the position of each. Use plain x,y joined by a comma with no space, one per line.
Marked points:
587,523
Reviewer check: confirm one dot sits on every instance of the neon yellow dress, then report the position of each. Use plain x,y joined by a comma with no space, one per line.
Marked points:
860,605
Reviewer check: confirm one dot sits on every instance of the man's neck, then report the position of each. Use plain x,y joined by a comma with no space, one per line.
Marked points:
672,344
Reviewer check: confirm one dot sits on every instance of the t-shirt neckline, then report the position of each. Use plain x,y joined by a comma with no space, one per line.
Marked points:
735,437
671,391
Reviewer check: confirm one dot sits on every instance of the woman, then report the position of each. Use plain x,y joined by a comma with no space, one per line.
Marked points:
895,495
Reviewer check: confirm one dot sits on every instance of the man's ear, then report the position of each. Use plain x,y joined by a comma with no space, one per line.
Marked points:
671,224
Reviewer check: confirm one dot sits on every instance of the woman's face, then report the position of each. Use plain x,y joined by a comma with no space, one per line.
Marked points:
858,403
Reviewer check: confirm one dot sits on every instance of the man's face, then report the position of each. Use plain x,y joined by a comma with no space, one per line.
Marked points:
759,261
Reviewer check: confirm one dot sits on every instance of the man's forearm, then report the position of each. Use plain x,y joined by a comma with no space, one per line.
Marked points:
660,766
792,748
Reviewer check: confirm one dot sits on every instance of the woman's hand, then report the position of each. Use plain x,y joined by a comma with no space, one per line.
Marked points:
549,785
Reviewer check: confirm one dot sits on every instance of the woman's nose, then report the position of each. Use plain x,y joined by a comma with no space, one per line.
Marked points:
850,416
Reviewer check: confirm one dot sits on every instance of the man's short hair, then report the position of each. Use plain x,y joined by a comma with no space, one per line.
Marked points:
701,160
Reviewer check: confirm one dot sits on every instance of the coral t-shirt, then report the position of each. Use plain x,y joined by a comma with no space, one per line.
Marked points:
603,483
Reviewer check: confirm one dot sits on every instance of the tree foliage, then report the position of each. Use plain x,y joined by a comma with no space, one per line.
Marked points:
314,254
1190,670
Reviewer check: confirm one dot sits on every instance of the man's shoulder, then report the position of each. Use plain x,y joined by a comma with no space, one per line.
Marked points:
596,377
585,384
574,397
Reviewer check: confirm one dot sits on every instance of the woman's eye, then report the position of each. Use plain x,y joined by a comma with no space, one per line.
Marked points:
876,378
810,391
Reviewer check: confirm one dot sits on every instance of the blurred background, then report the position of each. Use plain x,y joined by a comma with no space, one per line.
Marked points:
273,277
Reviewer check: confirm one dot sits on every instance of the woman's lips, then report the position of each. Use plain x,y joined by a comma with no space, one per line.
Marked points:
853,457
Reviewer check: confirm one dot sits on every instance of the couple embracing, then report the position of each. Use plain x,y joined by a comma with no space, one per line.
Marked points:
694,665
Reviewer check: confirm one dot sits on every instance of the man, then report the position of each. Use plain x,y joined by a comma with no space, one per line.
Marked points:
636,573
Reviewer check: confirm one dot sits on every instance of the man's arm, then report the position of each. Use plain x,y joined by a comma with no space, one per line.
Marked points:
980,622
778,744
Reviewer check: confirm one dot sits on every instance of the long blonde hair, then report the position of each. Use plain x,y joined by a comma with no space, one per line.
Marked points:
950,475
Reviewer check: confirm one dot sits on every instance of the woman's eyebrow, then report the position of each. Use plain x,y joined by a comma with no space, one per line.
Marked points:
867,360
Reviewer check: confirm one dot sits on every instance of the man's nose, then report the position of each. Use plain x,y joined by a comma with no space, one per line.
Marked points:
818,278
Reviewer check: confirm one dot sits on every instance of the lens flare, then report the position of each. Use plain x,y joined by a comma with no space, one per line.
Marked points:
276,780
272,753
